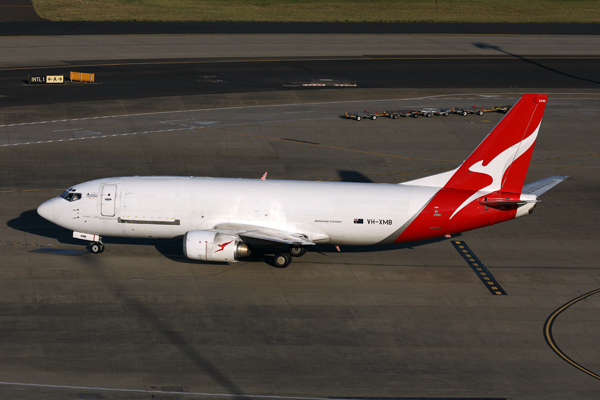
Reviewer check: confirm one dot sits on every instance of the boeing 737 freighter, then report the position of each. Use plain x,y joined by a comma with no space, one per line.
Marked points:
221,219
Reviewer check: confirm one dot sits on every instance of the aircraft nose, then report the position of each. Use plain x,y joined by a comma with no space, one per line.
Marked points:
46,210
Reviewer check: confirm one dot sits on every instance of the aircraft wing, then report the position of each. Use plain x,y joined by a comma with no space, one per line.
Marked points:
259,233
540,187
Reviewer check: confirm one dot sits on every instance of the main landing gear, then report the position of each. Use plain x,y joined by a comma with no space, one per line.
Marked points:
96,247
297,250
284,258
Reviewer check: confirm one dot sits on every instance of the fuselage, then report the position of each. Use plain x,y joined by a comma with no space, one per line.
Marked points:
167,207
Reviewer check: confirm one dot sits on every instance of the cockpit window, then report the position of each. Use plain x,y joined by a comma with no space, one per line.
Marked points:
70,196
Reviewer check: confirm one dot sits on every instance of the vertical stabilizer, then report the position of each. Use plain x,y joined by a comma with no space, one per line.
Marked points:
501,161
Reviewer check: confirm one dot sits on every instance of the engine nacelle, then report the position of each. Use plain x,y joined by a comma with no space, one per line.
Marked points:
213,246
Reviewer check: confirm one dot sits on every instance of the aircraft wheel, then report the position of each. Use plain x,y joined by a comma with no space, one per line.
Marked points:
297,251
96,247
282,259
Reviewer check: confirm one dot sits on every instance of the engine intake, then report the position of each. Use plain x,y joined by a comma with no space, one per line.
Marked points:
213,246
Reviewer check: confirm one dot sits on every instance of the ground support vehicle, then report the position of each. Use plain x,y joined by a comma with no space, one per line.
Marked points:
501,109
472,110
430,112
391,114
400,113
405,113
360,115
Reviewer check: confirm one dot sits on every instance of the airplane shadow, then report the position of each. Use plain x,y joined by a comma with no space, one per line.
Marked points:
329,248
30,222
537,64
179,339
353,176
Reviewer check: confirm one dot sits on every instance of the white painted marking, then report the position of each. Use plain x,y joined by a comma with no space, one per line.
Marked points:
88,132
160,391
175,120
191,127
513,95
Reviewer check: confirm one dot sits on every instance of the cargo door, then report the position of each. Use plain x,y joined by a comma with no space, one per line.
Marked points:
107,204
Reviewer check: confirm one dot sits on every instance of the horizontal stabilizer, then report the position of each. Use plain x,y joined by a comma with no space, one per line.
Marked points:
540,187
505,202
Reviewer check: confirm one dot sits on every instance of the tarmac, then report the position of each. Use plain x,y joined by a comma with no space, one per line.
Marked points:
40,51
140,321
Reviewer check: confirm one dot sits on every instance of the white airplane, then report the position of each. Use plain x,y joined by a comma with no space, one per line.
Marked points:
220,219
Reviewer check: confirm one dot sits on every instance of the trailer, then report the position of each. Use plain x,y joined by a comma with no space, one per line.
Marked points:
472,110
430,112
392,114
401,113
360,115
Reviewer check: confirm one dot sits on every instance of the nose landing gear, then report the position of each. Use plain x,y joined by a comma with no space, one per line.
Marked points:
96,247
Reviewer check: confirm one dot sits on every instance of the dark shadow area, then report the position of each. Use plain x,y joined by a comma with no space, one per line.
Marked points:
500,50
60,252
330,248
179,341
186,28
353,176
31,222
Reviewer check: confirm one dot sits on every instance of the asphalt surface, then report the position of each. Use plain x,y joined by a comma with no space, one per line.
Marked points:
139,78
139,321
410,320
185,28
18,12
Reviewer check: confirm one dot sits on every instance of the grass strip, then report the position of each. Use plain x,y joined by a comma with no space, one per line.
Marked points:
482,11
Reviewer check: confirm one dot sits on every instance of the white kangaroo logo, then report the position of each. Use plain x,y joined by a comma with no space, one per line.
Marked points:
497,167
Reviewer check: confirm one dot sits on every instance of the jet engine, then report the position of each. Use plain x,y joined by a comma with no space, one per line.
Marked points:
213,246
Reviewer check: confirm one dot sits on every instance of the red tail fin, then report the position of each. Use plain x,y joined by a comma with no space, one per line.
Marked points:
501,161
498,164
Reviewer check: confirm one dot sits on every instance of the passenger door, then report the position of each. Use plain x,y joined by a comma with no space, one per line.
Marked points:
107,203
